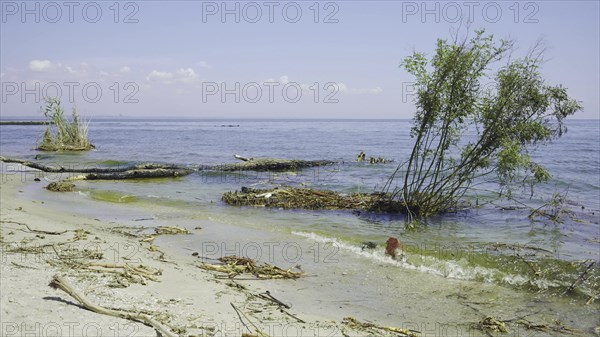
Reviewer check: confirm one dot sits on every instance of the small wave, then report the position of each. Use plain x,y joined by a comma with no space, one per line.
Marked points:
451,269
431,265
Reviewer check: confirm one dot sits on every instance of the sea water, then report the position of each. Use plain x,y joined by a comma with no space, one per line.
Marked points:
493,254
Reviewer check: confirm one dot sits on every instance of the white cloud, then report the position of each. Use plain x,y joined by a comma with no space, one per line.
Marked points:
40,65
125,69
182,75
204,64
160,76
186,73
374,91
77,71
343,88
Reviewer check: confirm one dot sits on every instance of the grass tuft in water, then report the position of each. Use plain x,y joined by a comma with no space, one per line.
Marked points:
62,134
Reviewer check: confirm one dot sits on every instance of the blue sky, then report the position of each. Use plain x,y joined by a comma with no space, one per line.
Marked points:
176,58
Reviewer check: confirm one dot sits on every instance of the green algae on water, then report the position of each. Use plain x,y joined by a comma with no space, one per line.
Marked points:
112,196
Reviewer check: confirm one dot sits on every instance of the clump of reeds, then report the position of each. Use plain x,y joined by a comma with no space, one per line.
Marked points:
62,134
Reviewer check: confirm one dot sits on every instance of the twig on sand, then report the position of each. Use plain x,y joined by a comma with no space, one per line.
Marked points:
33,230
237,311
267,296
282,306
22,266
240,314
293,316
370,329
59,282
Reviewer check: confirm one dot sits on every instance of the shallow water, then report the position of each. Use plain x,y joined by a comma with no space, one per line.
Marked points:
488,255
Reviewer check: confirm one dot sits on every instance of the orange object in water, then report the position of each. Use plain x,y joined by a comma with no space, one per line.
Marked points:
392,245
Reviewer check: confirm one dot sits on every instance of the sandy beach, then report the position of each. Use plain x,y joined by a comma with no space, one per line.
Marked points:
112,255
38,243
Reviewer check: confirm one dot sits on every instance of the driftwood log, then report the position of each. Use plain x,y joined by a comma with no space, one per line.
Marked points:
61,283
110,173
271,164
26,122
136,174
156,170
92,169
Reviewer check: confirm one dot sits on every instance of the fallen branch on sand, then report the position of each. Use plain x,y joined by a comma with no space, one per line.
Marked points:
376,330
306,198
123,275
234,266
59,282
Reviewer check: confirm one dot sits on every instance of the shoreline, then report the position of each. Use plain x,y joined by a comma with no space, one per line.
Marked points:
193,301
39,242
188,299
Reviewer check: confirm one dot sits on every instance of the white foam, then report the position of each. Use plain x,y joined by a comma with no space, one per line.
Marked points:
452,269
515,280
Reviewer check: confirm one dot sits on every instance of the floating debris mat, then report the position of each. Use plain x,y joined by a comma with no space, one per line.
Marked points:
272,164
307,198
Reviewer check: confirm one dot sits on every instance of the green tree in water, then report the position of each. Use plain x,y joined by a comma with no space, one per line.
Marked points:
466,132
